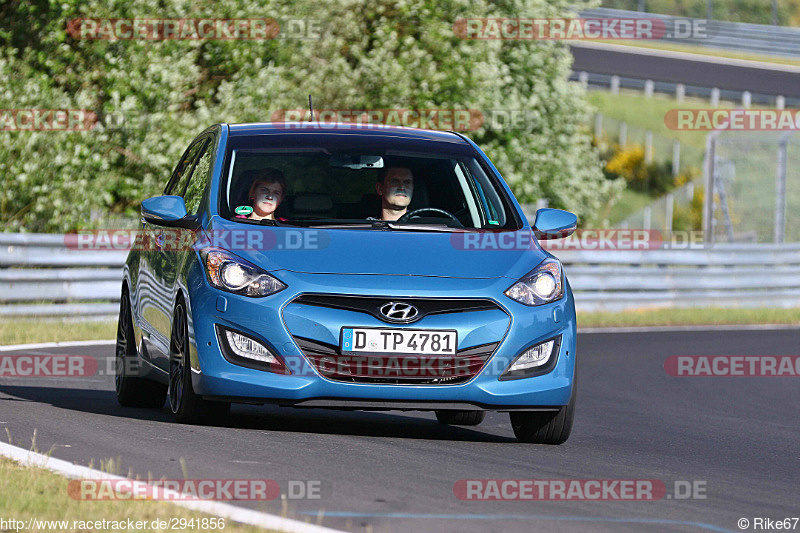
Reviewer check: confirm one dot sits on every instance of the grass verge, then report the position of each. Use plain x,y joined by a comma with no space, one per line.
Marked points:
22,331
36,493
701,316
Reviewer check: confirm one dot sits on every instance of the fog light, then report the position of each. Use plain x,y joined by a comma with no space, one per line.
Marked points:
249,348
533,357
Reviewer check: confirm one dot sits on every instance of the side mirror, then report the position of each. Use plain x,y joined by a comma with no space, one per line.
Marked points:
554,224
168,211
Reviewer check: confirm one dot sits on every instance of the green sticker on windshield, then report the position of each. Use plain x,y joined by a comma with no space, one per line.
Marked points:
243,210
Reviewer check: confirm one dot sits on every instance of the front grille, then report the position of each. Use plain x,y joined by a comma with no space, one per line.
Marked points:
372,304
396,369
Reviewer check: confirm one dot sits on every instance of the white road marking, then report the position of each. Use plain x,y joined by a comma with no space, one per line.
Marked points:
225,510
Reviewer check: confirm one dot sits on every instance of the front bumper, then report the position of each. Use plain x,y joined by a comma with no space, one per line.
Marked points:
274,319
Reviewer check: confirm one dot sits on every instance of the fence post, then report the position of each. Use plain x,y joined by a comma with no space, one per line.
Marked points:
715,97
649,88
676,158
780,192
670,200
615,84
746,99
680,92
623,134
780,102
583,77
648,147
647,217
598,125
708,201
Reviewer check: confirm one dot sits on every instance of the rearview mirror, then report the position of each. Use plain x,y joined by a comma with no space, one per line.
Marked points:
554,224
356,162
168,211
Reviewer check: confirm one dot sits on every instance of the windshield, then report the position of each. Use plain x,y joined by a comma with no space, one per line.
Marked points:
366,187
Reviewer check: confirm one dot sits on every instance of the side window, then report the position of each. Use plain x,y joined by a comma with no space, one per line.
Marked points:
177,182
199,179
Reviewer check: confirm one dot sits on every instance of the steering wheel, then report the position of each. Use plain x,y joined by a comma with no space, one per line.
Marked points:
438,211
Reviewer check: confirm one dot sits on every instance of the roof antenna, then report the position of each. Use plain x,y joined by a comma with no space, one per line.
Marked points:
311,108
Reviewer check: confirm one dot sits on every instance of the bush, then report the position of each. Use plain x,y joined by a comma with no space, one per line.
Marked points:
689,217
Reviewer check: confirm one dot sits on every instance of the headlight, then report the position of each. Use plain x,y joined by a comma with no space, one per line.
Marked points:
541,285
233,274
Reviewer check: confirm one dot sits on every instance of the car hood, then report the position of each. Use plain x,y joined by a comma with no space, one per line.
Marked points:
368,251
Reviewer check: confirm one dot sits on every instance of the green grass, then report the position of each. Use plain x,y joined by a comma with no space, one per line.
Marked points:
700,316
642,113
20,331
630,202
27,492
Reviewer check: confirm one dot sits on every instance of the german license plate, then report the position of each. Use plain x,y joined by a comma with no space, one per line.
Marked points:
399,341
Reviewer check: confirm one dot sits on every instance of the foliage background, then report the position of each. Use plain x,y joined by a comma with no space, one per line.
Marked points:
373,54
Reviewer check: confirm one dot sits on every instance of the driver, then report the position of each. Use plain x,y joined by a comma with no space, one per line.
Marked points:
395,186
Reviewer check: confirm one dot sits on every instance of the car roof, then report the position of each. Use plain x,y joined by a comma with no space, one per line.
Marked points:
336,129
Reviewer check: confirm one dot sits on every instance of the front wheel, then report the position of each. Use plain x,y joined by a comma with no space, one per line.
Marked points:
545,427
188,407
460,418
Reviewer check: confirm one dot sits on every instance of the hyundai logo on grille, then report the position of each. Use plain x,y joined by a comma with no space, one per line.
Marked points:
399,312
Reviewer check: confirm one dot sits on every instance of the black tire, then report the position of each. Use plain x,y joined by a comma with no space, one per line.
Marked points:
545,427
460,418
186,406
132,391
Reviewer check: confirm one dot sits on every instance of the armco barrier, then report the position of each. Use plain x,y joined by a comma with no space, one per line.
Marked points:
40,276
739,36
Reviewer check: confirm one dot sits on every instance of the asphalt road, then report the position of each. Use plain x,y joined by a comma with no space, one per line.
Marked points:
395,472
633,63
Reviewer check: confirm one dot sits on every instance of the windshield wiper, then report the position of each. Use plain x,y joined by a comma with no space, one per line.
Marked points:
427,227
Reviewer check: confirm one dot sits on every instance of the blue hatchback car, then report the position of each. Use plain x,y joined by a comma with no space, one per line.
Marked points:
346,267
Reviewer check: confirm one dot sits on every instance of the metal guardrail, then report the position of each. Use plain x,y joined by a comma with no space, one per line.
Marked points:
604,82
754,38
40,276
